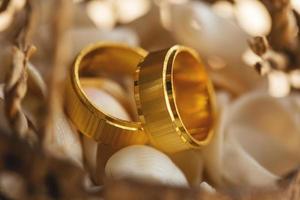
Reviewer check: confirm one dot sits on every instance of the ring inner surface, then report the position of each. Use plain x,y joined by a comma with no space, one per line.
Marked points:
114,65
192,97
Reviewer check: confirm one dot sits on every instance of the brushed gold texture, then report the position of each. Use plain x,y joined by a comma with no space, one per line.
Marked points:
110,60
175,99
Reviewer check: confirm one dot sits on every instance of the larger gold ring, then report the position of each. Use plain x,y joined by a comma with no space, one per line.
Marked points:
117,60
175,99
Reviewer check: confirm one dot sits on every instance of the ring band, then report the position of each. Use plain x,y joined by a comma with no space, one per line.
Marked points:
175,99
93,61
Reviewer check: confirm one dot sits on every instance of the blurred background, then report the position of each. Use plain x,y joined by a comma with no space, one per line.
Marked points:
251,50
217,29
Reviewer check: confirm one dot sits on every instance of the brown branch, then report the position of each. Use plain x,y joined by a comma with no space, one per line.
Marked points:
61,23
14,92
24,36
4,5
282,49
259,45
283,32
44,177
270,60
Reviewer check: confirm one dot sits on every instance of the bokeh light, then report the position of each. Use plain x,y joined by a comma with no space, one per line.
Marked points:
279,85
253,17
18,4
296,5
5,20
295,78
129,10
250,58
223,9
101,13
6,16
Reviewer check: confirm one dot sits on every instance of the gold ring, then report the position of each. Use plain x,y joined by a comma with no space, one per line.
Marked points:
175,99
108,59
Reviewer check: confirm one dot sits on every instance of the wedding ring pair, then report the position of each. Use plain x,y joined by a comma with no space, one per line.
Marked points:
173,94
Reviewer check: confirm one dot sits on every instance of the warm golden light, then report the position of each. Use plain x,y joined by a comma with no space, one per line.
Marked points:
223,9
6,16
295,78
77,1
18,4
129,10
278,84
2,90
165,12
216,62
192,98
250,58
101,13
296,5
165,17
5,19
253,17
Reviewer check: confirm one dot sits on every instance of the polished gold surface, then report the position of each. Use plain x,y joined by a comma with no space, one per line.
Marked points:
103,60
175,99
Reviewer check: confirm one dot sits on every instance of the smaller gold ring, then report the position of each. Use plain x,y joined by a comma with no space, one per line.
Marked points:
115,60
175,99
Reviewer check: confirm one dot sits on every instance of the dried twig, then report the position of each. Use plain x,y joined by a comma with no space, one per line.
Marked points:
14,91
270,60
43,177
259,45
281,52
4,5
283,37
61,22
16,84
283,32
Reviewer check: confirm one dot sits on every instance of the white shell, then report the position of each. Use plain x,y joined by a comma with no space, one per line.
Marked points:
145,163
208,188
268,129
108,104
239,168
107,95
257,141
64,141
195,24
